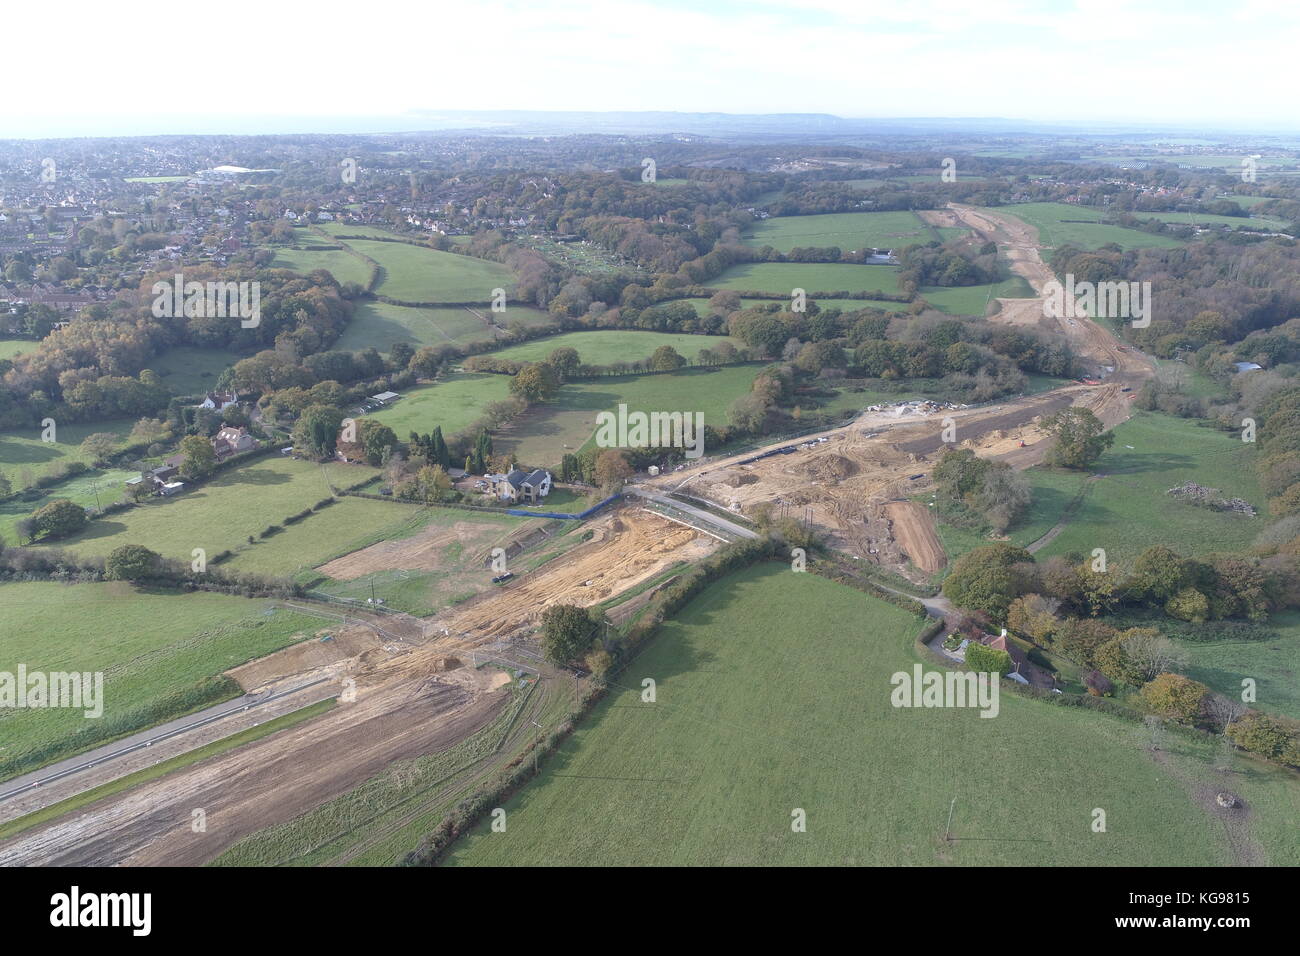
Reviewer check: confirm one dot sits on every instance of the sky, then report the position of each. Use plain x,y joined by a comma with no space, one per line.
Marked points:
270,66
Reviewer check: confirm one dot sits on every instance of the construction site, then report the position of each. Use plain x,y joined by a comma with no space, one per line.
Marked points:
857,484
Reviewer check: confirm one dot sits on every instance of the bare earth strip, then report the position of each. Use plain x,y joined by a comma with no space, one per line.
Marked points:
914,528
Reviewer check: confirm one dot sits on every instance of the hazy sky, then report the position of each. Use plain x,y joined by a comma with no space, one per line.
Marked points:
97,68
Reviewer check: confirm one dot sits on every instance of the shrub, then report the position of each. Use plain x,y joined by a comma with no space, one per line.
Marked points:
1175,696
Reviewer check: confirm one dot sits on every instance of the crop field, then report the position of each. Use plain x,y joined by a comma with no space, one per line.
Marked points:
191,371
1059,224
849,231
341,265
90,489
712,772
613,345
22,451
415,274
974,299
545,433
161,654
10,348
812,277
222,513
454,401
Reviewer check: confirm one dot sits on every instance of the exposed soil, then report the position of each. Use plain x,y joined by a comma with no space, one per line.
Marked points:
426,551
914,529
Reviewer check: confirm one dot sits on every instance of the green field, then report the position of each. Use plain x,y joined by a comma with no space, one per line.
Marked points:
220,515
342,266
849,231
545,433
974,299
22,451
91,489
356,229
1197,219
381,325
1274,664
191,371
1128,510
454,401
159,653
613,345
11,348
416,274
812,277
749,726
1059,224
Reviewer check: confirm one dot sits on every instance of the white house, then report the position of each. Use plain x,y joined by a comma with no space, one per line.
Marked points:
219,401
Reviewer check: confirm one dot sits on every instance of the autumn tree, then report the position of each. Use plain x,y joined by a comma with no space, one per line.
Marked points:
1079,437
197,457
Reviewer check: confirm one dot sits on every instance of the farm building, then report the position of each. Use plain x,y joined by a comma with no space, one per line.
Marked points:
384,398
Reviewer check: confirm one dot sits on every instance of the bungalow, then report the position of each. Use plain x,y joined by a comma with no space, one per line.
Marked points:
230,441
219,401
519,485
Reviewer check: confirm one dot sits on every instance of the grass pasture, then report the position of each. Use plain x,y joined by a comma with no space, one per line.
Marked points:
339,264
1128,509
544,434
613,345
222,513
21,450
161,654
192,371
1273,663
974,299
1060,224
91,489
812,277
748,726
454,401
12,348
849,231
416,274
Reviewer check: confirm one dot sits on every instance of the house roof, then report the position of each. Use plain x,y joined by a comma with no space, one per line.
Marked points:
537,476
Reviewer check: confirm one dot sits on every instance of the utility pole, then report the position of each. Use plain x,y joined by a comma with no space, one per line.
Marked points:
536,745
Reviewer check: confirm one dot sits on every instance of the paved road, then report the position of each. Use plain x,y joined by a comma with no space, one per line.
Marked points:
147,738
699,514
